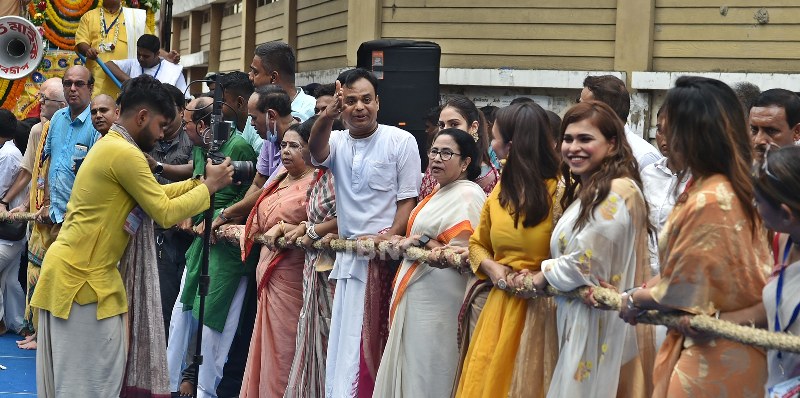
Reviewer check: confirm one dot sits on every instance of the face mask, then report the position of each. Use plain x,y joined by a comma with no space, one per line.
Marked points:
272,134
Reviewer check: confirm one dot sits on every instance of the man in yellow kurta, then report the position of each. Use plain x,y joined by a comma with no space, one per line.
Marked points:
105,32
81,296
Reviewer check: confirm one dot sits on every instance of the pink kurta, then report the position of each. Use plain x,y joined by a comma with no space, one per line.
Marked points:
280,292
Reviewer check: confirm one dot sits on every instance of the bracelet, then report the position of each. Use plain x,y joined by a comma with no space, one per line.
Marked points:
222,215
629,302
311,233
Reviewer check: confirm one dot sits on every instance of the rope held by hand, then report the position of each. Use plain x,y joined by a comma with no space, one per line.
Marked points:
607,298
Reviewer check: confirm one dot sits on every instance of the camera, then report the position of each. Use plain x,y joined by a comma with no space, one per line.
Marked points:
243,170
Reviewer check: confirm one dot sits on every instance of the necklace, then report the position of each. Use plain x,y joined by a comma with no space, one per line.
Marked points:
105,45
289,177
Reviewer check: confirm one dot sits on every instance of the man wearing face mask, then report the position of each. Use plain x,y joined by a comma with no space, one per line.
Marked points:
229,278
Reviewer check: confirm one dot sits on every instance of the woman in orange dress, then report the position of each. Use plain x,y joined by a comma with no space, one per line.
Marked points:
713,252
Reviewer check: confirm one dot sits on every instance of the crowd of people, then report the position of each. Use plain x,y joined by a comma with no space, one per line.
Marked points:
702,223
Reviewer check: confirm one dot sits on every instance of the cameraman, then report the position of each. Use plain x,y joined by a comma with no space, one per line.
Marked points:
229,278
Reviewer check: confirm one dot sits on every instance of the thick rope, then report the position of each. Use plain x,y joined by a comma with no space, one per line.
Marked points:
16,217
608,299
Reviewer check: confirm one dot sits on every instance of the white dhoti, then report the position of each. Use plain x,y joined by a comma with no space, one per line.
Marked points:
216,346
344,345
182,327
12,297
80,356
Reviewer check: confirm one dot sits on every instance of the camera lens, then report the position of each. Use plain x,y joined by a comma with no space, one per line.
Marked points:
243,170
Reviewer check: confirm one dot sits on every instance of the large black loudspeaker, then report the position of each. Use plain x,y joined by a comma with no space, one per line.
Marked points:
408,83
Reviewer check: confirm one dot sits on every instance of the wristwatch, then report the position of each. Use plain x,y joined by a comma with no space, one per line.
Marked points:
423,240
158,169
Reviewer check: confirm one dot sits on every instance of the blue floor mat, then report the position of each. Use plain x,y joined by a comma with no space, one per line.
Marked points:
19,377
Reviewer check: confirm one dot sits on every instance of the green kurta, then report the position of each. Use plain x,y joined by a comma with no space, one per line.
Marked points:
225,266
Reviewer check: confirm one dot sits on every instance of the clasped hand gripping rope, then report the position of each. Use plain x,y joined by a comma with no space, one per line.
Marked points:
608,299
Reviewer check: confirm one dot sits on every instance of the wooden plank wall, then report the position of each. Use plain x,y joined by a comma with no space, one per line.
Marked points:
205,36
724,36
523,34
269,22
230,46
184,47
321,34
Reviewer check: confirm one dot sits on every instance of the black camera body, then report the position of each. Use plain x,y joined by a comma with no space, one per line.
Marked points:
243,171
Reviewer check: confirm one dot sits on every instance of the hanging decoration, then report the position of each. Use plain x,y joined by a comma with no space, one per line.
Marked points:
57,21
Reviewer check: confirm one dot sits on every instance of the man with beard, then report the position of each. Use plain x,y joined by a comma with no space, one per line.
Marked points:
229,278
83,337
774,121
104,113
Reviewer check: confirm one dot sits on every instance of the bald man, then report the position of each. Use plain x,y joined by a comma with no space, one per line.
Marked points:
64,143
104,112
51,99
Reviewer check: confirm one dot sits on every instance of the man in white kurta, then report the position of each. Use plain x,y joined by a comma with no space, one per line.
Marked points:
148,62
377,178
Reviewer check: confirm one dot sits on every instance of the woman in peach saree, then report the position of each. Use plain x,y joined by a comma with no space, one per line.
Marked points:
279,274
713,251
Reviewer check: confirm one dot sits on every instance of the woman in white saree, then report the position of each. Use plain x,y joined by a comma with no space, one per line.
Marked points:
421,354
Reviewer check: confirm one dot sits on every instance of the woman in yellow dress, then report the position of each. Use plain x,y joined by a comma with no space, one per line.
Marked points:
513,234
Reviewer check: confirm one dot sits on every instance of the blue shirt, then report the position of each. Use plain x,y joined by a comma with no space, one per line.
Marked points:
68,142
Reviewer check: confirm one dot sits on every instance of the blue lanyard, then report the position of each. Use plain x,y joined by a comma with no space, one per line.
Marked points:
112,23
779,293
159,68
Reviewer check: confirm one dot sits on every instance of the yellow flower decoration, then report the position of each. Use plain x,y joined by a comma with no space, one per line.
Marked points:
701,200
609,207
724,197
583,371
562,242
585,261
614,279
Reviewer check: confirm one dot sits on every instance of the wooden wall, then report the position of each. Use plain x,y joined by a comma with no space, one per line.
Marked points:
184,47
579,35
269,22
725,36
544,34
321,34
205,36
230,46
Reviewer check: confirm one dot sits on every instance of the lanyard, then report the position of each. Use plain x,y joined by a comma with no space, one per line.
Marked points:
779,293
158,69
108,29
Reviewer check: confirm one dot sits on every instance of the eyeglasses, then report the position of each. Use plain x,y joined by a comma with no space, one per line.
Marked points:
292,145
77,83
765,164
44,99
445,155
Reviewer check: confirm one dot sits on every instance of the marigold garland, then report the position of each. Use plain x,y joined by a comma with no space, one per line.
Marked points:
72,8
11,96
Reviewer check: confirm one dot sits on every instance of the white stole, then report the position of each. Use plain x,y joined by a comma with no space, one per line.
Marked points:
134,26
